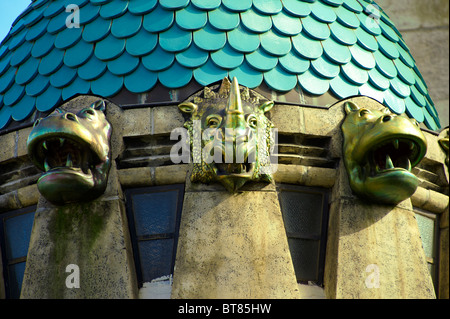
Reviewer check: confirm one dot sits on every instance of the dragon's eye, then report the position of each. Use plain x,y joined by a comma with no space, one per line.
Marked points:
364,112
252,121
213,121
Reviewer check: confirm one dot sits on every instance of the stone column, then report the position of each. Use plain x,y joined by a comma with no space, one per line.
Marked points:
373,251
233,245
81,250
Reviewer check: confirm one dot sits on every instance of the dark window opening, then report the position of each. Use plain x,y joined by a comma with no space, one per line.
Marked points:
154,220
15,233
305,216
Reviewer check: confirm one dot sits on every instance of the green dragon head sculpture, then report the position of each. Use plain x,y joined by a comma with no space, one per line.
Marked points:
380,149
230,137
73,150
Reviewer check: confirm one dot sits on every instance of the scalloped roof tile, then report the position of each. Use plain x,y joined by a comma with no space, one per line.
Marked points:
346,47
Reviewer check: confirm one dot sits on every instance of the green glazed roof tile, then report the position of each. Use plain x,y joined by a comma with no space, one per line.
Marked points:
133,82
286,24
49,99
206,5
241,5
247,75
255,21
387,47
342,34
139,7
14,95
37,85
366,40
362,58
413,110
293,63
175,39
394,102
37,30
400,88
141,43
27,71
109,48
347,18
78,54
126,25
342,87
159,19
96,30
51,62
209,38
275,44
325,68
192,57
191,18
368,90
268,6
21,53
297,8
336,52
107,85
315,29
174,4
123,65
323,12
43,45
176,76
242,40
78,86
261,60
313,83
227,57
378,80
92,69
223,19
307,47
280,80
88,13
113,9
209,73
23,109
345,47
158,59
68,38
63,77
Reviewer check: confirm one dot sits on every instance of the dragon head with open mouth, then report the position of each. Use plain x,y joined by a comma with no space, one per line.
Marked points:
230,137
380,149
73,151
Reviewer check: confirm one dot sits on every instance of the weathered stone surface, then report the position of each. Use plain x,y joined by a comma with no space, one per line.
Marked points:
375,251
233,246
93,236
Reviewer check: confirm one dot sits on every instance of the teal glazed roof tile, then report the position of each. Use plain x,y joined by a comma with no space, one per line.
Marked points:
23,109
139,7
141,43
344,47
96,30
191,18
223,19
286,24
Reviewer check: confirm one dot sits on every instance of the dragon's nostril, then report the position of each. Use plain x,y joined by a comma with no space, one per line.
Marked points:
387,118
70,117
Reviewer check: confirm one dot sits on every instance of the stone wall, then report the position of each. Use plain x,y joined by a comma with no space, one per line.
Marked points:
424,26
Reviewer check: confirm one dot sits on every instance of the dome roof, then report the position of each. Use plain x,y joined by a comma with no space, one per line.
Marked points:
345,47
